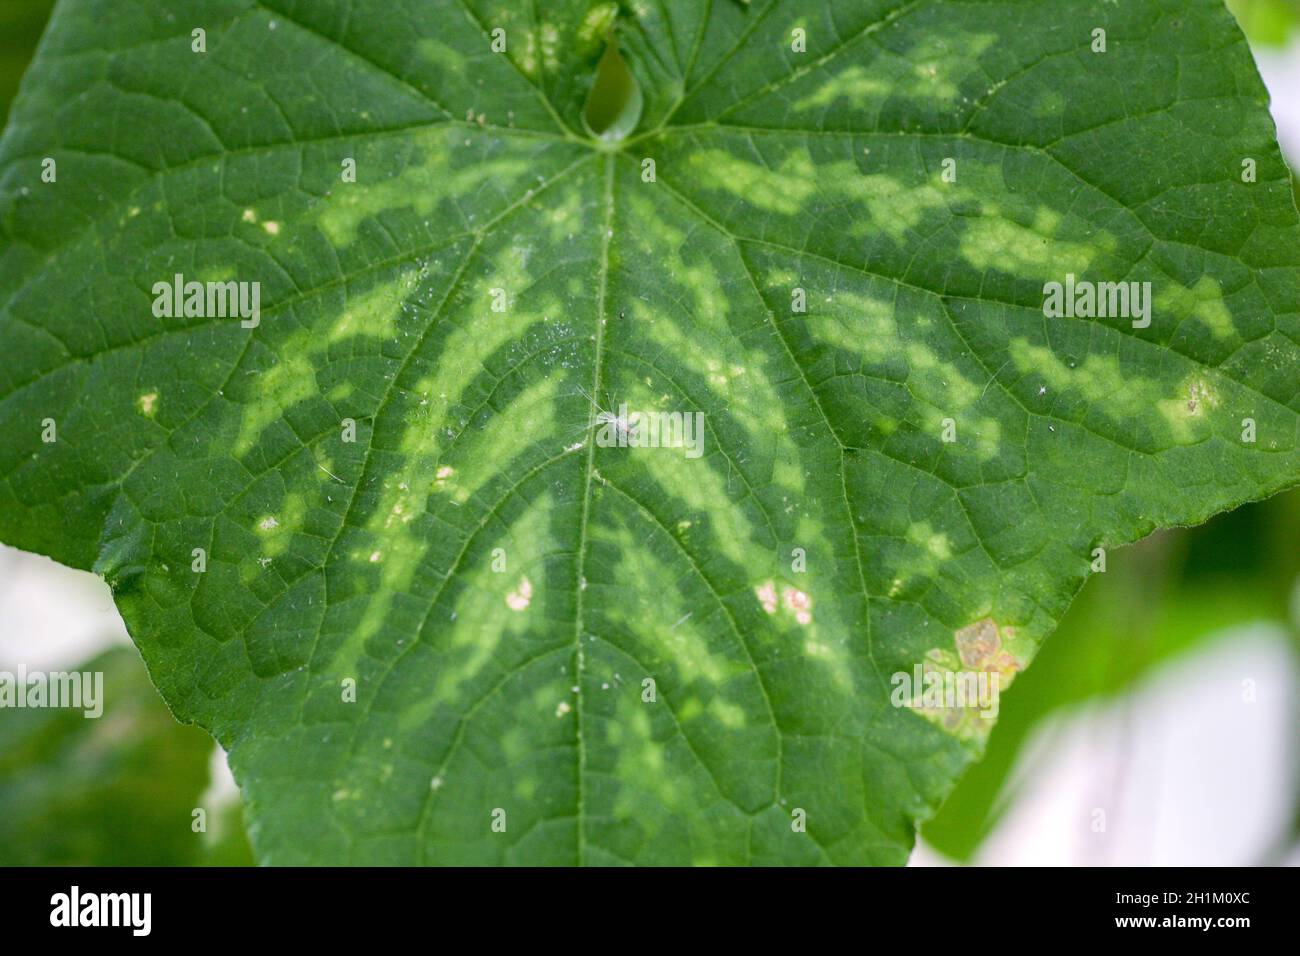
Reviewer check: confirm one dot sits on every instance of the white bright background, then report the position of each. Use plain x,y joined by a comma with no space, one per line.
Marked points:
1143,758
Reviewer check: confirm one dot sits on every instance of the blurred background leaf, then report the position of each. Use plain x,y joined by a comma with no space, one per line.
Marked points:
1266,22
21,25
117,790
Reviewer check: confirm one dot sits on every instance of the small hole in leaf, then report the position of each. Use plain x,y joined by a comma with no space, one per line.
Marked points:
614,104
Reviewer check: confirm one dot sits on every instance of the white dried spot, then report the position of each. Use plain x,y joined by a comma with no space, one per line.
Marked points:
249,216
445,472
375,556
798,602
1200,397
269,523
562,708
148,403
766,594
520,597
272,228
435,783
398,514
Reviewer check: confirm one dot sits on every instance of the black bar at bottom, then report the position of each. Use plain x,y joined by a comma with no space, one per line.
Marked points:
640,908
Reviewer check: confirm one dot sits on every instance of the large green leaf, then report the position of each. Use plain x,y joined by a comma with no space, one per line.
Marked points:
522,690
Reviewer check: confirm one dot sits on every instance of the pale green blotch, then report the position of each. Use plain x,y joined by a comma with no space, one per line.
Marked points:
529,57
730,371
540,49
1101,381
891,206
480,453
420,187
556,697
290,381
218,274
1188,410
293,378
895,207
640,761
935,543
526,787
553,699
807,619
564,218
695,487
391,545
933,380
480,333
1050,103
927,549
731,716
276,530
983,434
988,438
652,238
783,190
666,624
441,55
857,324
374,312
595,26
1202,302
515,744
734,375
491,604
993,242
787,472
853,84
833,657
936,57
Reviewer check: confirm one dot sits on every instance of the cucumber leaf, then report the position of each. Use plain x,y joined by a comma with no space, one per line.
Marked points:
396,536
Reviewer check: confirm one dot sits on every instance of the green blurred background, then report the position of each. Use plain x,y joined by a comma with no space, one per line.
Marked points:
123,789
